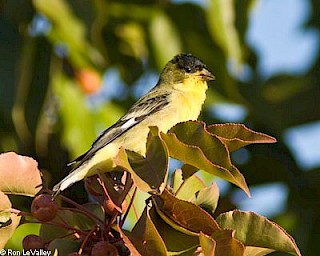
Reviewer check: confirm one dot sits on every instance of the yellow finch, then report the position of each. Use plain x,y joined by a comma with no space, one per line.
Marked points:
177,97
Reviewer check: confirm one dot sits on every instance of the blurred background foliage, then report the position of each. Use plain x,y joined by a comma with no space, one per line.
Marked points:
70,68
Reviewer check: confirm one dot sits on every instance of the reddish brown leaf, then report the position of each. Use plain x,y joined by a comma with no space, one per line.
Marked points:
236,136
184,216
192,144
145,237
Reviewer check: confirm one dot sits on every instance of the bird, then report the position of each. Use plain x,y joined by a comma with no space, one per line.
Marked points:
177,97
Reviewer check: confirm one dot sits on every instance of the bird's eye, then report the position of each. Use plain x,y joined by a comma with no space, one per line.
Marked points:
187,69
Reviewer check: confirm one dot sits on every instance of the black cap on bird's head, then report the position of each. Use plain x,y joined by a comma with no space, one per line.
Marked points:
185,64
188,62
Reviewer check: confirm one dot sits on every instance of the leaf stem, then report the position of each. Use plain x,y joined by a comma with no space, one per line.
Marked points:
83,210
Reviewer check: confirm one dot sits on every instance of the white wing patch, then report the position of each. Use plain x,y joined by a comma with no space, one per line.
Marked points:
131,122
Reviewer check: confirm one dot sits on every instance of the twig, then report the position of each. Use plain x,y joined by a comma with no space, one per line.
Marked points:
96,228
128,209
19,213
83,210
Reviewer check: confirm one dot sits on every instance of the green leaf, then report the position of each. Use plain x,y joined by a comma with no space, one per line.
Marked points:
208,245
74,219
188,171
96,209
189,188
19,175
176,180
271,105
192,144
236,136
221,21
207,198
149,173
73,111
139,202
256,251
184,216
133,40
77,219
163,32
256,231
146,238
19,234
67,28
50,232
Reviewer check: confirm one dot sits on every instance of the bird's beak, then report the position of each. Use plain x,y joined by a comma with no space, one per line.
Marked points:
206,75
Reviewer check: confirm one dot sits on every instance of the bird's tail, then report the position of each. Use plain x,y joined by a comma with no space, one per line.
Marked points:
75,176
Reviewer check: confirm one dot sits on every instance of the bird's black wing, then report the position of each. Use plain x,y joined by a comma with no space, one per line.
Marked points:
143,108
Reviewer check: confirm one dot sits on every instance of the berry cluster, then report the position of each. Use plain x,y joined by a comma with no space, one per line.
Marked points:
94,235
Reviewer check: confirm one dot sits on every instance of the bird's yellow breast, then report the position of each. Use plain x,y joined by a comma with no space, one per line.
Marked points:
185,104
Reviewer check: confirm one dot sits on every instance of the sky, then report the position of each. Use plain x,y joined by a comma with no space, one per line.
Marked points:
277,34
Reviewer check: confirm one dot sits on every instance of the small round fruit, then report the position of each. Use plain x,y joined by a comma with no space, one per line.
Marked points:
31,242
44,208
109,206
103,248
